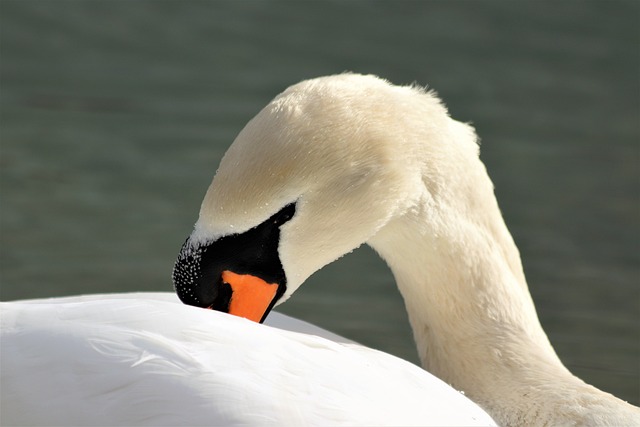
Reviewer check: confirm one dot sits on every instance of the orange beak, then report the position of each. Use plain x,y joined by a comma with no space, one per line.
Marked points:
251,296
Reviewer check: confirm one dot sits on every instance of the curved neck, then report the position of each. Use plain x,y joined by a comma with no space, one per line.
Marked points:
472,316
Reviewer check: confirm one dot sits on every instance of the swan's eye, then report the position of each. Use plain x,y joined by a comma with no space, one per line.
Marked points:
285,214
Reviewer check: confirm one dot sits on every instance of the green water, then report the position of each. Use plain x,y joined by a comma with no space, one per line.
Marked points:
114,116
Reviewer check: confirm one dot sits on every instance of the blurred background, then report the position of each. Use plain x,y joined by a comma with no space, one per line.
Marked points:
114,116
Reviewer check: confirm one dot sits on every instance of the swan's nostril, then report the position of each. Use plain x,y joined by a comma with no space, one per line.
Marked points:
222,299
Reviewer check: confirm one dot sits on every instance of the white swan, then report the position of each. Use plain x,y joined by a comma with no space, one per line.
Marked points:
147,359
329,164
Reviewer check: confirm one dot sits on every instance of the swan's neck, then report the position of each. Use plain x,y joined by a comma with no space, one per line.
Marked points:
473,318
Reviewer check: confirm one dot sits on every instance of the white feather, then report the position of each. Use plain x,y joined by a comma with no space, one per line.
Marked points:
147,359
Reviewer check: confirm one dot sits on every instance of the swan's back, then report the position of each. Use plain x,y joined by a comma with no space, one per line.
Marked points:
153,361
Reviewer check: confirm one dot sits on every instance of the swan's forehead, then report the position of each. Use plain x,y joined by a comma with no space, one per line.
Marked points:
305,141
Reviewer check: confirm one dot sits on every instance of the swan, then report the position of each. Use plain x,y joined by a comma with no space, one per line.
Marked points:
147,359
328,165
338,161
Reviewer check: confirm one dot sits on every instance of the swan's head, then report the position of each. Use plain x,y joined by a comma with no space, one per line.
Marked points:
319,171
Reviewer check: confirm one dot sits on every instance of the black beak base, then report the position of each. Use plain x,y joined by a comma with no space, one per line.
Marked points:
197,273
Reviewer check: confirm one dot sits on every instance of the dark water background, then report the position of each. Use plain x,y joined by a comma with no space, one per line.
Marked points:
115,114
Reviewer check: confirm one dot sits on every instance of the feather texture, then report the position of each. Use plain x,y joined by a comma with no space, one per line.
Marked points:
147,359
